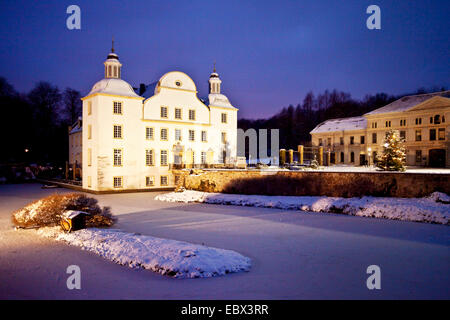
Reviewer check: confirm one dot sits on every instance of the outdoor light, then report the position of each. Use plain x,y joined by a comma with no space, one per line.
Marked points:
26,150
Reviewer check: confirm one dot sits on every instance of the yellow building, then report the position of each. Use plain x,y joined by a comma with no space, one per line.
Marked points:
422,121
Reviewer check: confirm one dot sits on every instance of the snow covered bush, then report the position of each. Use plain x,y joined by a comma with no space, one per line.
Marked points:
47,211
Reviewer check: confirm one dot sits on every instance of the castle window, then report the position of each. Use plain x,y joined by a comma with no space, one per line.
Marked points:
118,182
418,135
432,134
320,141
89,131
177,134
418,121
363,139
224,118
418,156
149,156
441,134
203,157
149,133
342,157
204,138
352,140
163,112
402,123
149,181
164,134
109,71
388,124
374,137
403,135
191,135
89,108
117,157
117,132
164,180
224,137
352,157
117,107
89,157
164,157
191,114
177,113
437,119
89,183
341,141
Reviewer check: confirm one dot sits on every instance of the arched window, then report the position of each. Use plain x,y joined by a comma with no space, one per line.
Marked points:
115,71
109,72
437,119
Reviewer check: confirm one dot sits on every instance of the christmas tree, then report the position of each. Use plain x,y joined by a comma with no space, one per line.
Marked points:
393,157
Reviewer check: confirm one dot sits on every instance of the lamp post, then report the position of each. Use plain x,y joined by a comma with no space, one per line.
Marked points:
369,150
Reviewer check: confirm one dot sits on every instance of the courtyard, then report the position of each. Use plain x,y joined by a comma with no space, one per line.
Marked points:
295,254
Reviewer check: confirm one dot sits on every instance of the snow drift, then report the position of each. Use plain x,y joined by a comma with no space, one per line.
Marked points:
168,257
432,209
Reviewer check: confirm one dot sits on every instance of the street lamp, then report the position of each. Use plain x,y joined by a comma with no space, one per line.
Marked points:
369,150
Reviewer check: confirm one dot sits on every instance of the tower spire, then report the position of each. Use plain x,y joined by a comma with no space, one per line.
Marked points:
112,48
214,67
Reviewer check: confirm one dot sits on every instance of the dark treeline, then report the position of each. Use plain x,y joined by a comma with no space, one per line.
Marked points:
35,125
295,123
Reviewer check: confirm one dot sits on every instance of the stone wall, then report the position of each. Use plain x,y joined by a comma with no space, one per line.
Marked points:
299,183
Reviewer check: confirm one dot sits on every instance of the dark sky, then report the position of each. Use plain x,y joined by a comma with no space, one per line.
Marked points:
268,53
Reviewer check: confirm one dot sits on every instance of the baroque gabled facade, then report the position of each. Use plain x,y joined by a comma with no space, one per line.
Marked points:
422,121
132,141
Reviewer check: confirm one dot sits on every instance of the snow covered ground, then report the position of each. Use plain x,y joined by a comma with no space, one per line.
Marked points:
434,209
350,168
294,256
167,257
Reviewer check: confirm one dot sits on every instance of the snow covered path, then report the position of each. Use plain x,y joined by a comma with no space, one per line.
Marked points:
434,209
294,256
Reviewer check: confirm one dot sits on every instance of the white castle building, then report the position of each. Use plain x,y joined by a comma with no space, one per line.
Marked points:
133,140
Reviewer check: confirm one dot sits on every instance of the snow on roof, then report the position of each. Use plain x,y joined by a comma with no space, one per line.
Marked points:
219,100
149,90
113,86
408,102
342,124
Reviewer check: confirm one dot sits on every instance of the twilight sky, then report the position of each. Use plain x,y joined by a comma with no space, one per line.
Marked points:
268,53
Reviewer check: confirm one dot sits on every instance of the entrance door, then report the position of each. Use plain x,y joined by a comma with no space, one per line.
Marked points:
436,158
362,159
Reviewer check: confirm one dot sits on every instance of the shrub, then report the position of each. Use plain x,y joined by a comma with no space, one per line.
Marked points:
47,211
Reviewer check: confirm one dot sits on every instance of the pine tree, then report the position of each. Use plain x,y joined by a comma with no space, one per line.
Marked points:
393,157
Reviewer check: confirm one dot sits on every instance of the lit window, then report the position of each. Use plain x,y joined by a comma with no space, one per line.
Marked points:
89,107
191,135
164,180
149,156
89,182
203,157
163,112
118,183
177,113
418,135
117,132
224,118
149,133
191,114
204,137
177,134
117,107
117,157
89,157
164,135
164,157
89,131
149,181
441,134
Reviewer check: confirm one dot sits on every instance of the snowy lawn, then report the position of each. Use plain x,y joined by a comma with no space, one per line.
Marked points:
433,209
168,257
